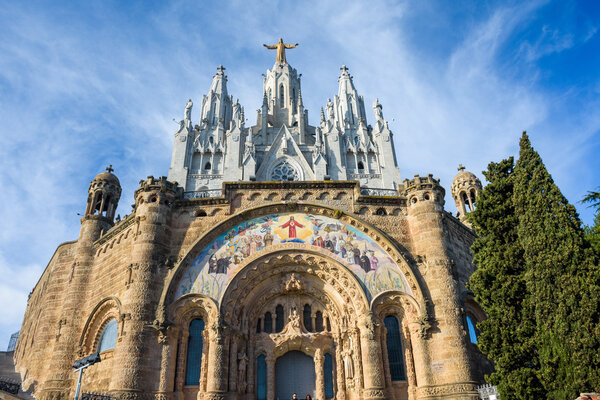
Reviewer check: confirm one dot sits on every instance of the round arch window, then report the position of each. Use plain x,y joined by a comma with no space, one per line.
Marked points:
108,339
284,171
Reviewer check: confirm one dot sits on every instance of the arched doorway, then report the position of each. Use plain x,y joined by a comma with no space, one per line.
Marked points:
294,373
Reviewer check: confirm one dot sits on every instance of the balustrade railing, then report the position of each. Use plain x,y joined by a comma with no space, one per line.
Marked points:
200,194
378,192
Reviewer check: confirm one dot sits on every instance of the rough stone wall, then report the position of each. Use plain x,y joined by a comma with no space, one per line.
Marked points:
131,262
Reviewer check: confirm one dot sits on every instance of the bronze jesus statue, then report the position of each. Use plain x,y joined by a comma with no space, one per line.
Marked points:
280,46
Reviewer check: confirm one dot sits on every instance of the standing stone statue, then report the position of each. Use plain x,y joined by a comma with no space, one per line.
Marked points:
242,364
378,108
188,110
280,46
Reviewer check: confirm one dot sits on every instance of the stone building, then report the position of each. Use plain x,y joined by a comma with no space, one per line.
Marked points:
276,258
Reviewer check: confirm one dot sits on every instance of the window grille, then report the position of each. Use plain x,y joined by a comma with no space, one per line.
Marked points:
394,348
194,353
108,339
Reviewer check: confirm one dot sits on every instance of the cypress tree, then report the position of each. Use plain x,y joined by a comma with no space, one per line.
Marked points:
499,286
592,233
562,280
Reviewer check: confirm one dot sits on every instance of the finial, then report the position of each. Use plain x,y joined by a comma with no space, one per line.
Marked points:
221,68
461,168
110,169
344,68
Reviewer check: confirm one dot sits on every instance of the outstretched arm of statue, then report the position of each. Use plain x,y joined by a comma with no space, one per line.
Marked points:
291,46
270,47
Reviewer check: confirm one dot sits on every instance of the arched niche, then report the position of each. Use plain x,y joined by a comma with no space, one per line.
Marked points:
106,309
190,306
393,250
292,270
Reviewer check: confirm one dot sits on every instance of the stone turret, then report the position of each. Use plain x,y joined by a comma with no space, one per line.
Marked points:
465,189
447,344
150,260
103,198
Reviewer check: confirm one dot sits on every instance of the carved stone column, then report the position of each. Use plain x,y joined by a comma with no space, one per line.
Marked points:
371,359
251,363
217,376
168,340
420,353
233,364
204,363
386,360
410,363
339,369
319,374
181,365
270,377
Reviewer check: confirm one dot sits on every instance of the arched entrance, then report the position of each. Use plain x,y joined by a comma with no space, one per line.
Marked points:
294,373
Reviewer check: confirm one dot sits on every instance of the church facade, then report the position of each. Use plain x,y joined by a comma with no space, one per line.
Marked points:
274,259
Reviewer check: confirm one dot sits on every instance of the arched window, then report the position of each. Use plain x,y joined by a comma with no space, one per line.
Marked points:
473,196
394,348
472,330
194,353
319,322
328,370
361,166
328,325
307,317
258,325
465,200
281,97
108,338
207,166
268,322
278,318
261,377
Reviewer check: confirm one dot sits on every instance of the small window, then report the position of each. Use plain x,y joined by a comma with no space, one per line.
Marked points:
319,322
258,325
281,97
279,318
207,166
361,166
194,352
472,330
108,339
307,317
268,322
394,348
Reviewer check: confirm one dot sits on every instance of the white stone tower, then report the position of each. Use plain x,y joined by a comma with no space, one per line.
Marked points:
283,145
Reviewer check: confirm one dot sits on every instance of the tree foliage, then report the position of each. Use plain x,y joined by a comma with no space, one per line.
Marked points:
593,232
539,282
500,288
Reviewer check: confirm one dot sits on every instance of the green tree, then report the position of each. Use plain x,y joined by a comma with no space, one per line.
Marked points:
593,232
499,286
562,279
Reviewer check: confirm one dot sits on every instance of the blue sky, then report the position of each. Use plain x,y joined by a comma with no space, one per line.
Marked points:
86,84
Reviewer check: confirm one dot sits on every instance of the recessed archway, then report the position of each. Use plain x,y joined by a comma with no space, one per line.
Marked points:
294,373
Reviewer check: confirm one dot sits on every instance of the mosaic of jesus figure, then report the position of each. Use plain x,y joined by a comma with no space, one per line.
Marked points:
291,225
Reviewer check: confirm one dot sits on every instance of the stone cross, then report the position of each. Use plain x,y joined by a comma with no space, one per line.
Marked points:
461,168
110,169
